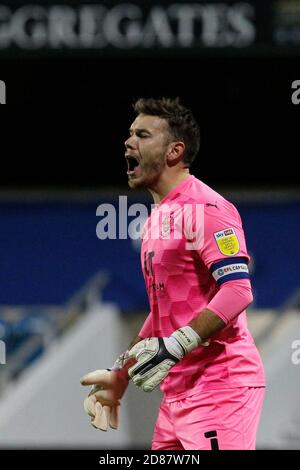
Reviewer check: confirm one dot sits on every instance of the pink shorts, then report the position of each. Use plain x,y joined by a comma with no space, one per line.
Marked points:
217,420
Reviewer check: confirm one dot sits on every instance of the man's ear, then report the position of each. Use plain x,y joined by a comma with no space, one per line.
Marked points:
175,153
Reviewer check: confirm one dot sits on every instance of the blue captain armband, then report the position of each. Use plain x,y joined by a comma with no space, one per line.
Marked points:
230,269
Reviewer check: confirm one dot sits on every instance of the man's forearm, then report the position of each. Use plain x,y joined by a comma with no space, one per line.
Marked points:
206,324
155,356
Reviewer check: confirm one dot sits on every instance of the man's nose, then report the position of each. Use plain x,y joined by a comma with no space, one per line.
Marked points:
129,143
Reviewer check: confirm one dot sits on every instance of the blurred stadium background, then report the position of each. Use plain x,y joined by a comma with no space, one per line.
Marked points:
69,302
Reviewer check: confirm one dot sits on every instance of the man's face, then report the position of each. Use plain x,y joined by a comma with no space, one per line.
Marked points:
145,150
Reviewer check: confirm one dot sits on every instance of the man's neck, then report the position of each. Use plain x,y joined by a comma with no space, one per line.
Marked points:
165,185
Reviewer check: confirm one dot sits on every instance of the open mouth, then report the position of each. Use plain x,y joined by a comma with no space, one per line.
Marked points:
132,164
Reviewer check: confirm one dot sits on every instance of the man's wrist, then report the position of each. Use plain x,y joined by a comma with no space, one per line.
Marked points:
123,363
187,338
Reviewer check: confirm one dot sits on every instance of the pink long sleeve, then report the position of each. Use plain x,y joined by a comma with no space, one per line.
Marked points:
232,299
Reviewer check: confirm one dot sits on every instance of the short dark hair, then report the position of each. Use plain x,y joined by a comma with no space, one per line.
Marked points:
182,124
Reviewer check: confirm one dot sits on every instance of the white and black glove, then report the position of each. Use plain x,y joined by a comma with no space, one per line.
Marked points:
156,356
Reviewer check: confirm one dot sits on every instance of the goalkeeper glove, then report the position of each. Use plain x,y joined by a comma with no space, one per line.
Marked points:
156,356
103,401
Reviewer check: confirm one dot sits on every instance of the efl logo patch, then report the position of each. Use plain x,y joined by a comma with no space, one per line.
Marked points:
227,242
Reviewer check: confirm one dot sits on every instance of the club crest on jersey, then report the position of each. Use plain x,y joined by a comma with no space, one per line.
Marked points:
167,225
227,242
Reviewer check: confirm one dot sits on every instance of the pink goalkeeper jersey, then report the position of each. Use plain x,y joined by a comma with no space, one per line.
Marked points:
187,242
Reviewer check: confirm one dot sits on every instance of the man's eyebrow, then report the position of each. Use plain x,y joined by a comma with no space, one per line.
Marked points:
139,130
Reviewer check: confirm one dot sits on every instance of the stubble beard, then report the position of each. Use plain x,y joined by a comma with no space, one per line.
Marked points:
149,178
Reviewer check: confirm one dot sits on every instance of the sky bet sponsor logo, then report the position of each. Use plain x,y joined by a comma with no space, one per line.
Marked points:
228,232
224,233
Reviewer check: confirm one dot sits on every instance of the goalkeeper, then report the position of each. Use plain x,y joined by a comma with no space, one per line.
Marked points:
195,342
